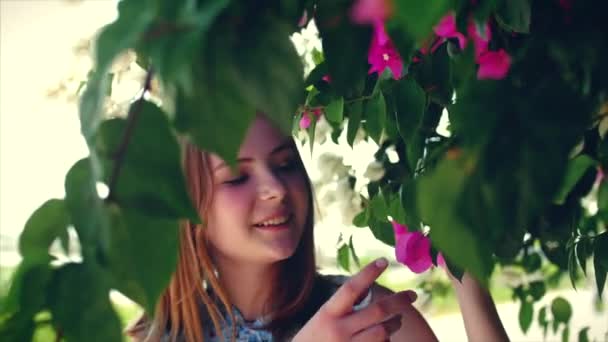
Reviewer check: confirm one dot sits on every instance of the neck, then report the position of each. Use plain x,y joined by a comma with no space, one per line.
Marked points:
249,287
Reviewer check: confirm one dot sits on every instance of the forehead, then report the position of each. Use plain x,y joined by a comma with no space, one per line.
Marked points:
261,138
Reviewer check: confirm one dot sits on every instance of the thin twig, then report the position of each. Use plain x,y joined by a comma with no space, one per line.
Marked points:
122,148
59,335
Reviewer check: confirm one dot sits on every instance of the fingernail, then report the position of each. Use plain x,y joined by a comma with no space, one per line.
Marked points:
381,263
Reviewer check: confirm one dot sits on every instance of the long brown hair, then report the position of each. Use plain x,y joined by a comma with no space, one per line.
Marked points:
180,308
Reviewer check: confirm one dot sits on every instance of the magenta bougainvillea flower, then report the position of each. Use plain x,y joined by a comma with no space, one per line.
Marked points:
447,29
383,53
370,11
412,249
308,116
493,65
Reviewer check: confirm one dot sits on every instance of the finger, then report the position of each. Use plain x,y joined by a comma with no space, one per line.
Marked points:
392,325
378,312
376,333
343,300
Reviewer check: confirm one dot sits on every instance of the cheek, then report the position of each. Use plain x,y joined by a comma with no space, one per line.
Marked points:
230,208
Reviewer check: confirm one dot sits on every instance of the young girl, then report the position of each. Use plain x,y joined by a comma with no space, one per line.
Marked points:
249,273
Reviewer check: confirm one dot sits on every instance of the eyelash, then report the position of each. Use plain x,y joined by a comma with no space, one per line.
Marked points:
287,166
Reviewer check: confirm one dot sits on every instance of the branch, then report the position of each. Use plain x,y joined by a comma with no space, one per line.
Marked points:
122,148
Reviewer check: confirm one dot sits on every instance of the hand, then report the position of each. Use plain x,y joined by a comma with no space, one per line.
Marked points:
336,321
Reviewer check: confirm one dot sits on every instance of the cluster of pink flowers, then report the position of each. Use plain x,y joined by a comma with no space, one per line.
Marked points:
308,116
383,54
492,64
413,249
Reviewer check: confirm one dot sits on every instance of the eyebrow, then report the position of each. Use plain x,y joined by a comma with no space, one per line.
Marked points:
287,145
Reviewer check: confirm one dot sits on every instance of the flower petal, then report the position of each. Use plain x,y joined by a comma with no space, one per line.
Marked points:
493,65
368,11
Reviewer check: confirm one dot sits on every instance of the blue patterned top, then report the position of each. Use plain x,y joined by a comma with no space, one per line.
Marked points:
251,331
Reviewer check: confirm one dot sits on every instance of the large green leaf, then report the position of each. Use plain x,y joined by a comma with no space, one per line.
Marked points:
150,178
136,243
45,225
334,111
418,18
410,103
80,304
439,194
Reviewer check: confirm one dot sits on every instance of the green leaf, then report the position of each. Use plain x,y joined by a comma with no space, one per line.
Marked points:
419,20
572,267
565,334
410,103
434,75
334,110
351,246
602,196
80,304
583,335
561,310
138,241
361,219
526,311
375,113
378,207
84,205
383,231
576,169
542,319
27,292
134,16
395,209
45,225
583,250
345,46
537,289
354,121
514,15
344,257
600,247
150,178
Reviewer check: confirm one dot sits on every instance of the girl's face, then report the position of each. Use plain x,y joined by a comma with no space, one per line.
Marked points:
258,212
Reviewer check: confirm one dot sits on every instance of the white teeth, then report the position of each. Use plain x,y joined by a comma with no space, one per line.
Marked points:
273,222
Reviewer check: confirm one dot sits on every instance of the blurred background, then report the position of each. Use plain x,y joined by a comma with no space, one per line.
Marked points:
44,60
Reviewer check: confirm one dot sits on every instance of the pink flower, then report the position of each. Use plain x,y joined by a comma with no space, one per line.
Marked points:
307,116
383,53
370,11
326,78
480,39
305,121
600,175
447,29
493,65
412,249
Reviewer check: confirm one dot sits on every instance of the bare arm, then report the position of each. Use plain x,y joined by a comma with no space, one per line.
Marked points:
413,326
481,321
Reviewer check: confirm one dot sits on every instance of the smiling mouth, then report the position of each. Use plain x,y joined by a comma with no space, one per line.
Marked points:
276,222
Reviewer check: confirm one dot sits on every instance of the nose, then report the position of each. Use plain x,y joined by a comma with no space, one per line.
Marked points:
271,187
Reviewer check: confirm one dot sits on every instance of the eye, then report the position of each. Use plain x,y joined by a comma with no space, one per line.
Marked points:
238,180
288,165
